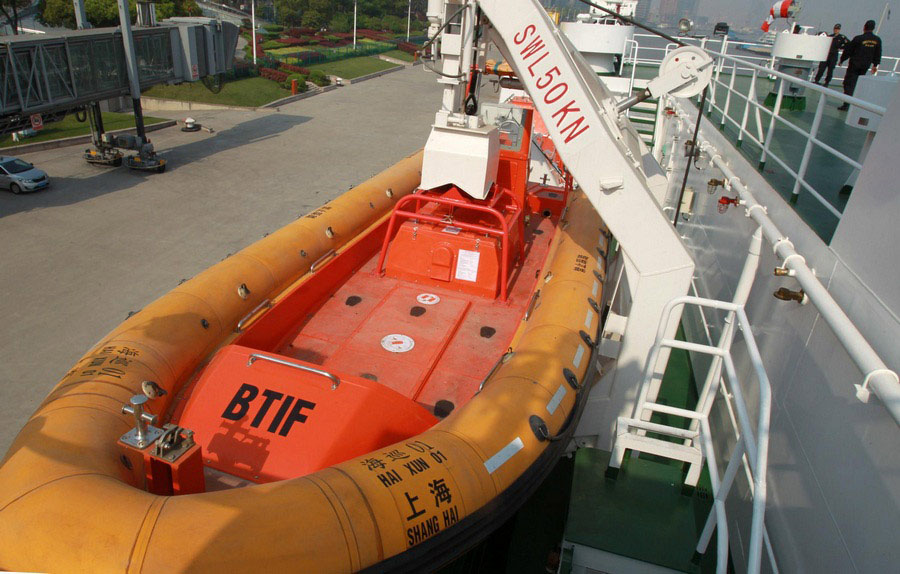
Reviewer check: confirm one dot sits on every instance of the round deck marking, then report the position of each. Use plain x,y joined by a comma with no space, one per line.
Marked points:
396,343
428,299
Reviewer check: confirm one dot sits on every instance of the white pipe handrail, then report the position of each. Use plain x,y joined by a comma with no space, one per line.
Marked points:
878,376
868,106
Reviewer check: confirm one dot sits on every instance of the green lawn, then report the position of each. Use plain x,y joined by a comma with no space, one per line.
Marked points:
399,55
289,50
70,127
353,67
250,92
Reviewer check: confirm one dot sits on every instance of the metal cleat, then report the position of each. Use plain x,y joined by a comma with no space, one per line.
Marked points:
143,433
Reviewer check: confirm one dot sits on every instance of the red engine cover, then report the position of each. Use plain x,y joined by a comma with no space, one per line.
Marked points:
267,421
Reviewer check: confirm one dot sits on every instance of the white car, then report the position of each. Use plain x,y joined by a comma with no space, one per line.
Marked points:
18,176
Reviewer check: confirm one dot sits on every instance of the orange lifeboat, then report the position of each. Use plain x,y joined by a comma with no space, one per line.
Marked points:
375,386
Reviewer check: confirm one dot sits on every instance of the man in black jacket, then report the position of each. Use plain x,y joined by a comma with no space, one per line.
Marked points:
838,41
862,51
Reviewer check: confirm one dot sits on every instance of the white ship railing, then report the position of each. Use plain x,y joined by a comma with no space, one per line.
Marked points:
877,376
762,132
750,445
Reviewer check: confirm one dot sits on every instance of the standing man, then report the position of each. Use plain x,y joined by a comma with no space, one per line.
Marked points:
862,51
838,41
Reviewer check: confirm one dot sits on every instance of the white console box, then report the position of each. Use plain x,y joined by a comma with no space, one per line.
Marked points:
466,157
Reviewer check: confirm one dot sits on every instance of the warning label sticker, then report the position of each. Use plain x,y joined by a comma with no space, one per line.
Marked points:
467,265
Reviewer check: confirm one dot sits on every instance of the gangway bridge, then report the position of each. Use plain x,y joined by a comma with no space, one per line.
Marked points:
55,73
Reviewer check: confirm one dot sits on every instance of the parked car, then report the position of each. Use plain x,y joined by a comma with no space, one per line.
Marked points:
18,176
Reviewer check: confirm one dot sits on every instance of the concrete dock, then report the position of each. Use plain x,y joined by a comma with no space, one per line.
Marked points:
99,243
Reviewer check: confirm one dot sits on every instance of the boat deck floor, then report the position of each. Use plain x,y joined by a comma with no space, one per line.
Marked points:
456,340
644,514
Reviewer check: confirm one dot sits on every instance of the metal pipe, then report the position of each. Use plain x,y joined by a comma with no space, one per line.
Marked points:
741,295
670,410
718,504
658,428
884,381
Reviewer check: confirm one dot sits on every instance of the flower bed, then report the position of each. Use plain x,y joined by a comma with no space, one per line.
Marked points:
274,75
407,47
294,69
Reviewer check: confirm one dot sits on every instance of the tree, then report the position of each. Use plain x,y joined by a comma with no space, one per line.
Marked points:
10,9
102,13
290,12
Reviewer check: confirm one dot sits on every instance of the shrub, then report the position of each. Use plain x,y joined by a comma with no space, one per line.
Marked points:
301,82
407,47
319,78
274,75
273,28
294,69
271,45
293,41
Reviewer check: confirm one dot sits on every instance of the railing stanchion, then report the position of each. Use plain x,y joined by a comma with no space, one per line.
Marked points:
728,95
771,131
807,152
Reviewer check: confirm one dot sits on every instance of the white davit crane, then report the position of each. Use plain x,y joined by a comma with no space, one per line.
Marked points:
596,141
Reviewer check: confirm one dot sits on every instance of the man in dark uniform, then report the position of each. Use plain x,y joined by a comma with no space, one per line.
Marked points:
862,51
838,41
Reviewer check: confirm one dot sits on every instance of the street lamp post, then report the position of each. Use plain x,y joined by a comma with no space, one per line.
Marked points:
354,24
408,18
253,28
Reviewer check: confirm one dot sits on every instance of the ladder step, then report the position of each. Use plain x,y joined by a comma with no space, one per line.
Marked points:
640,120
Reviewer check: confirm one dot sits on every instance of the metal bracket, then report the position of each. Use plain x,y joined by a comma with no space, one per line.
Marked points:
173,443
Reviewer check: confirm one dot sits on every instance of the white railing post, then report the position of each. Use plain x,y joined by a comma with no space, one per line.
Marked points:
807,152
771,132
747,107
728,94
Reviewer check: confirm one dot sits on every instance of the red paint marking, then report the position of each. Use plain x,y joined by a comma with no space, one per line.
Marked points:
550,88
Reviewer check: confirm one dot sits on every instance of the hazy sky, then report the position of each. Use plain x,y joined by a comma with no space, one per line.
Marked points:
852,14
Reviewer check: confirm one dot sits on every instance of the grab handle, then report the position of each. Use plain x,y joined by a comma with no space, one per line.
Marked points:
242,323
331,253
334,380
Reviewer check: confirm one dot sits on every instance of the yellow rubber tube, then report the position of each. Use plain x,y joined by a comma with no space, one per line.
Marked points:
66,497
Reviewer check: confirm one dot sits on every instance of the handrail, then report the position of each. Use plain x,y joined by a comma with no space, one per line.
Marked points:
756,448
335,381
884,381
502,232
242,323
799,175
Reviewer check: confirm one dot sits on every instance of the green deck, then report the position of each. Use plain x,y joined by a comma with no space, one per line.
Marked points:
825,173
644,514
